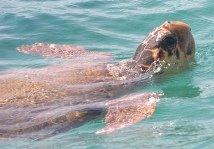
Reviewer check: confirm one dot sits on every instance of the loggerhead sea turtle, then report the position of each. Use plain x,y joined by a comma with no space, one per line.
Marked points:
42,102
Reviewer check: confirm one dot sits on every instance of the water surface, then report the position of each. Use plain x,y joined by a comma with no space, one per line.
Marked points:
184,116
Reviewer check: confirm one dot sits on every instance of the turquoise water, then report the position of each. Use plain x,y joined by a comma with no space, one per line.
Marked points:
184,116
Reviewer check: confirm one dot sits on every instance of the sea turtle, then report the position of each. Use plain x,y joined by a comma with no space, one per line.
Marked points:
41,102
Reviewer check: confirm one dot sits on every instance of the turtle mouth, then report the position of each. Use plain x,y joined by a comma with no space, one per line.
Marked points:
167,43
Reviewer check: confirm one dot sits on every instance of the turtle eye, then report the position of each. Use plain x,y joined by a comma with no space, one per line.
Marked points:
168,42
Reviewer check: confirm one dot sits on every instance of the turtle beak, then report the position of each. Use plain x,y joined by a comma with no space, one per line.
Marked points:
171,42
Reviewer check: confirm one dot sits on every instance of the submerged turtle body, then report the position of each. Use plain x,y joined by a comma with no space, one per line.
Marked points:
39,103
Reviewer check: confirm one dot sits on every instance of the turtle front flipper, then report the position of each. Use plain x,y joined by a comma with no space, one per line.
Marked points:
128,110
52,50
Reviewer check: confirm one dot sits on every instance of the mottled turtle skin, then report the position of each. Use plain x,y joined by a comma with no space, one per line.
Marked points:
42,102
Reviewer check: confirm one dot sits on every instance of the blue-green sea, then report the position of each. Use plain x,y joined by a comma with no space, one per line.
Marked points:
184,118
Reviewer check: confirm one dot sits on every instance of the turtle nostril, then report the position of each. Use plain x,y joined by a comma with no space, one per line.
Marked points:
168,21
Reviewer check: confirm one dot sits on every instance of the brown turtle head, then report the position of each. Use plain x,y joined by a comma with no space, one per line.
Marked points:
172,42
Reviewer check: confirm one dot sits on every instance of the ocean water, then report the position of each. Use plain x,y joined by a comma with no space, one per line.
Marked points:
184,116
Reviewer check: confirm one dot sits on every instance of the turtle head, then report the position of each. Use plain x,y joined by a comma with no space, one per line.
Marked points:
171,43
